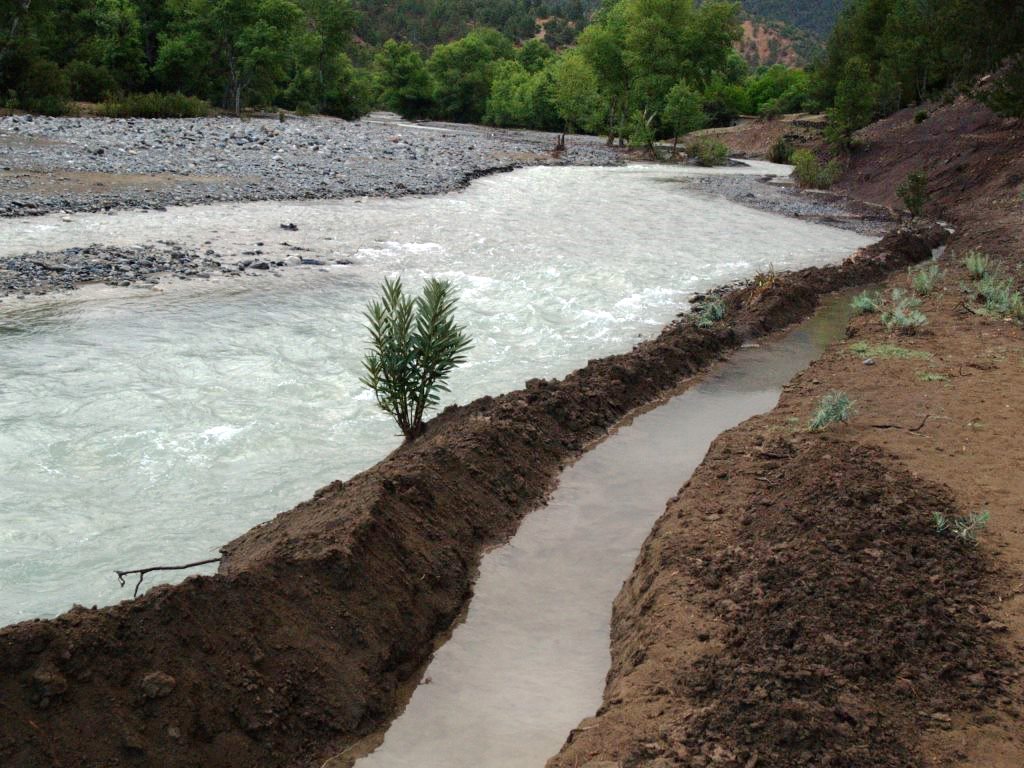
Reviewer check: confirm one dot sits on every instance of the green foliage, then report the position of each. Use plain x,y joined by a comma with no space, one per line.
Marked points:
855,103
902,314
866,302
911,50
834,408
998,294
818,16
155,105
575,92
887,351
708,152
402,81
923,278
963,528
711,311
415,344
811,174
462,72
90,82
777,90
920,116
913,191
781,151
683,110
976,264
1006,95
45,89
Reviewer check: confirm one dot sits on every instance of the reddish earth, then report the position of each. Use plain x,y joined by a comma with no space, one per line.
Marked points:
300,643
795,605
761,45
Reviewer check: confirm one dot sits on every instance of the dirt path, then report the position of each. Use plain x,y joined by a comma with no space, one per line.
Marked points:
796,605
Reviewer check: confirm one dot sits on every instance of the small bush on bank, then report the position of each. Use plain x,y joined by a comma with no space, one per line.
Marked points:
781,151
415,344
711,312
833,408
866,303
966,528
913,191
920,116
708,152
811,174
923,279
45,90
976,263
90,82
1000,298
154,105
903,315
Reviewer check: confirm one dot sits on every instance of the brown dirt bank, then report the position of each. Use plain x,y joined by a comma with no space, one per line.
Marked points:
795,605
301,641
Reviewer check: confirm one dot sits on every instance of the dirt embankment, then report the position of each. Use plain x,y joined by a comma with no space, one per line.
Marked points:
796,605
316,617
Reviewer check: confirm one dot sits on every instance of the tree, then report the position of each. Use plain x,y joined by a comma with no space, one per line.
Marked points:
326,29
462,72
576,92
856,96
415,344
684,111
402,80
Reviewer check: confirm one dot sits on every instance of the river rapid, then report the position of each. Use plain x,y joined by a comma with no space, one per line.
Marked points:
149,425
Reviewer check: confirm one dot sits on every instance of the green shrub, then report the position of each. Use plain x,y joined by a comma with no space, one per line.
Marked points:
44,88
414,346
1000,298
913,191
810,174
708,152
711,312
833,408
781,151
966,528
920,116
866,303
90,82
923,278
1017,307
976,263
902,315
155,105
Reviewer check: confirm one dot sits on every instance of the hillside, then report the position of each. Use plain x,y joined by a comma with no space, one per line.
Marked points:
817,16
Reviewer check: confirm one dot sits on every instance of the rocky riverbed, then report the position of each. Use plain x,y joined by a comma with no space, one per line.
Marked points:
93,164
40,273
776,195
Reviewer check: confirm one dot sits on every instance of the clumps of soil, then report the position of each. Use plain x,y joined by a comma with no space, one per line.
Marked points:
795,606
300,643
851,621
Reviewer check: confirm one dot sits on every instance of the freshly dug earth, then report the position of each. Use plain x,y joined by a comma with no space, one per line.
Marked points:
796,605
301,641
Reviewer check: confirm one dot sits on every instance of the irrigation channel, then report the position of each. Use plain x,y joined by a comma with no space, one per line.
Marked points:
149,425
529,660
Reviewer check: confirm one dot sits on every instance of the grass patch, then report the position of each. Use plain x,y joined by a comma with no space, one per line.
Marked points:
833,408
976,263
710,312
932,376
923,278
903,316
154,105
866,303
888,351
964,528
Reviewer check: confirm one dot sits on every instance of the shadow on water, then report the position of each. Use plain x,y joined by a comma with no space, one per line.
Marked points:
529,660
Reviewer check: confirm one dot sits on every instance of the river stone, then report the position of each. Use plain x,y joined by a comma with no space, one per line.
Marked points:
156,685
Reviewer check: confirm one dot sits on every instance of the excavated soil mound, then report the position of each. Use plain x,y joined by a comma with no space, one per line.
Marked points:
301,641
825,621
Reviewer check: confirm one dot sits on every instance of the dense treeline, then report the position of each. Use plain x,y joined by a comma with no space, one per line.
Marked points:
639,68
887,54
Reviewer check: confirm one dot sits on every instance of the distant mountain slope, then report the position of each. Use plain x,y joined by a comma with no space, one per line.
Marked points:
817,16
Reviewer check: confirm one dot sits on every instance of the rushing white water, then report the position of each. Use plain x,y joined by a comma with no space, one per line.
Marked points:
149,426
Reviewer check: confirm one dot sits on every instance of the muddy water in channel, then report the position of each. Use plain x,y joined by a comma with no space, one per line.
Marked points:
529,661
